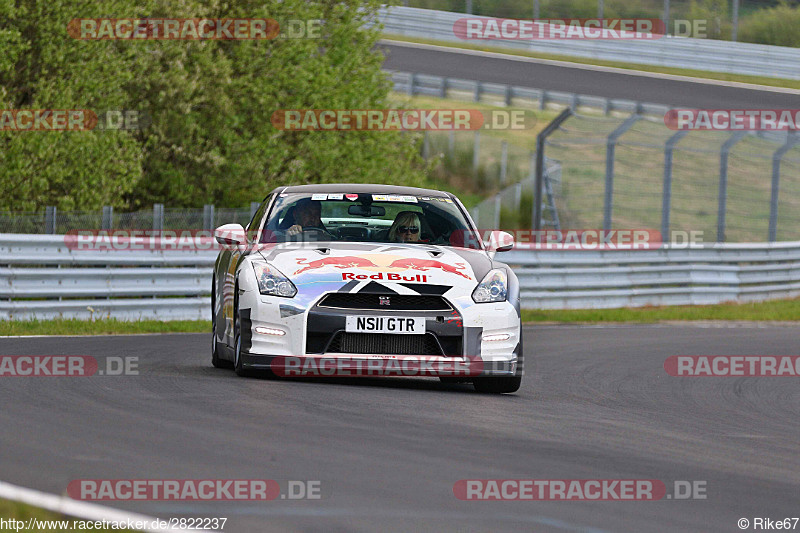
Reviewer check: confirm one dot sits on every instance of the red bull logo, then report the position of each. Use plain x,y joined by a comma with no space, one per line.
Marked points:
388,267
410,263
419,278
347,261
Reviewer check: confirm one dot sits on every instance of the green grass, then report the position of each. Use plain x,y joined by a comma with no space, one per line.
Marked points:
24,512
721,76
102,327
774,310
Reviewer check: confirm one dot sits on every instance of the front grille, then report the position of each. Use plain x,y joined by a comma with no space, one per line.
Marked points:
397,302
382,343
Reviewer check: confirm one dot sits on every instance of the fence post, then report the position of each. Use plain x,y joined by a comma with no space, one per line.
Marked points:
158,217
208,217
539,179
722,201
791,140
666,200
611,146
50,219
108,217
476,150
503,162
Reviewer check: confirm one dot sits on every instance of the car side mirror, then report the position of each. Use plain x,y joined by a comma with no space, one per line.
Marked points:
230,235
500,241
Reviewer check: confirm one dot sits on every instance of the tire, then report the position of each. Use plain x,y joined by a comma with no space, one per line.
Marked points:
237,338
504,384
501,385
216,360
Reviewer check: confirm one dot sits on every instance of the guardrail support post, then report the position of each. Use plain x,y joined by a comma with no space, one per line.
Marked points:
508,95
666,200
50,219
611,146
158,217
539,179
722,201
108,217
412,78
791,140
208,217
443,88
497,207
477,96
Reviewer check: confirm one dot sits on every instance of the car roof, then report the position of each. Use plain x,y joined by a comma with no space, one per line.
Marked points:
354,188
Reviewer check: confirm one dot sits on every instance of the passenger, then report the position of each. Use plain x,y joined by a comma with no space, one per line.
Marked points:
405,228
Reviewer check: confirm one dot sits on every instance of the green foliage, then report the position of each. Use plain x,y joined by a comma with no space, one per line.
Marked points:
778,25
211,140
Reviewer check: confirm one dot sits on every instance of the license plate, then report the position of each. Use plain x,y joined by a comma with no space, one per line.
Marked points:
385,324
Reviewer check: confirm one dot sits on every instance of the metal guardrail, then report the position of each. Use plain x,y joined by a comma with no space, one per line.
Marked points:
701,54
42,277
413,83
131,285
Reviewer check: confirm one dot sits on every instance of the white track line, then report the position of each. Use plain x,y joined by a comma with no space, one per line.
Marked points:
72,508
583,66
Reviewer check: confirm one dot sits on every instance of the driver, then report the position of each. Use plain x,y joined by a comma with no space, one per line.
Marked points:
307,216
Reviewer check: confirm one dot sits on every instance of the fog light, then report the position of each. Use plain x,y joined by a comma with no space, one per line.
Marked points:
497,337
270,331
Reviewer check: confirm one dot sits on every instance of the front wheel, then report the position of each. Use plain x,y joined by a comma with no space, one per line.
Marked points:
501,385
238,367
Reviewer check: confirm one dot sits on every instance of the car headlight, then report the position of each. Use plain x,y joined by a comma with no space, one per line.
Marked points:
493,288
272,282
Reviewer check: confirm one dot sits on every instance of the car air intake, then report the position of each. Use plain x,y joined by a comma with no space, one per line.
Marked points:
381,343
396,302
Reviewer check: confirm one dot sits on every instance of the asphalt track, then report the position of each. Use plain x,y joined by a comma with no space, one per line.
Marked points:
440,61
596,404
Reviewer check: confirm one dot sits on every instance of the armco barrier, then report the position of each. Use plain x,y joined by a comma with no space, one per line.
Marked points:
680,52
40,276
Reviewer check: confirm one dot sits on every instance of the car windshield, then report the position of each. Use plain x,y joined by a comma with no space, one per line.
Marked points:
367,217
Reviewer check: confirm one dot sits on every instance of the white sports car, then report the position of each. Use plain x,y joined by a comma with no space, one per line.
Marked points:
355,279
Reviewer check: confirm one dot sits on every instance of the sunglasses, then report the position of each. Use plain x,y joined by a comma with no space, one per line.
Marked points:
408,229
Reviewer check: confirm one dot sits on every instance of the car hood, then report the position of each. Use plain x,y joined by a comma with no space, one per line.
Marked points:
325,267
